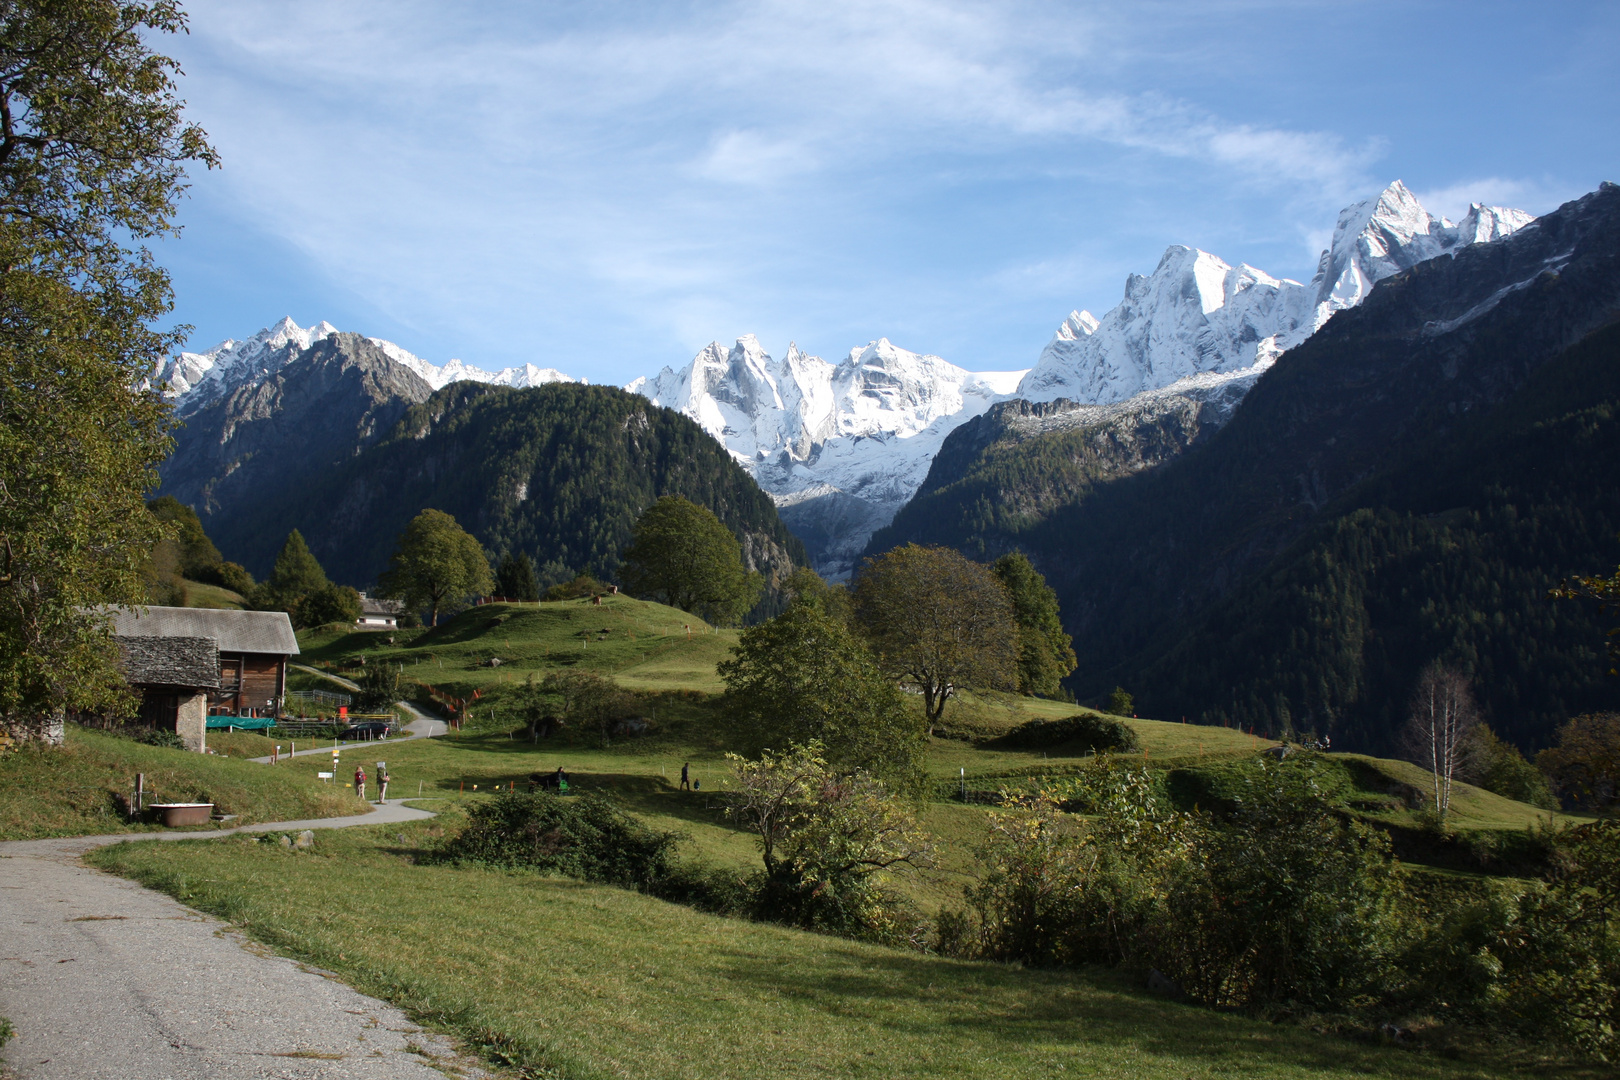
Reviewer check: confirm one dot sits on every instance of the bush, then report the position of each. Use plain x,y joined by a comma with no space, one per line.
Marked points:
1121,703
582,585
1079,734
584,837
1278,900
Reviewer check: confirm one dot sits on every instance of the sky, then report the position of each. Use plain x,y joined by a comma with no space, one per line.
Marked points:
604,188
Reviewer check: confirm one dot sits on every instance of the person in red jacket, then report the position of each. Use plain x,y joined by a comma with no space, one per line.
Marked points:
360,781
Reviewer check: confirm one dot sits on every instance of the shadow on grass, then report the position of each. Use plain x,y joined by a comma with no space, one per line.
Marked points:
1057,1009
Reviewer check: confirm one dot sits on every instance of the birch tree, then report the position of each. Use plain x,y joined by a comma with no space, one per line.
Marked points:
1436,732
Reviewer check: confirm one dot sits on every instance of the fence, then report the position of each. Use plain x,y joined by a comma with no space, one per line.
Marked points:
315,698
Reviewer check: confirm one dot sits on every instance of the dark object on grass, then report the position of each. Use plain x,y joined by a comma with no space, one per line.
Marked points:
557,781
1072,735
588,838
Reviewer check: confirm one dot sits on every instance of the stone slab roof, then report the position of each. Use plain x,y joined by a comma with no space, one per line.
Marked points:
232,631
170,661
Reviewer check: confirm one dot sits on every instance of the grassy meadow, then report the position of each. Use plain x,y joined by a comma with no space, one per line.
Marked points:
563,978
75,790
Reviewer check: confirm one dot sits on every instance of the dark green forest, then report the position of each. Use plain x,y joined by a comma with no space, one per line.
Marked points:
558,472
1402,488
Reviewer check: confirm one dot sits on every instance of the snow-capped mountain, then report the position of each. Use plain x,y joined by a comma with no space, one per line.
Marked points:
1196,314
841,447
844,443
197,379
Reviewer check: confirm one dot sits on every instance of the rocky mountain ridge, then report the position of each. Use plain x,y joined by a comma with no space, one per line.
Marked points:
842,447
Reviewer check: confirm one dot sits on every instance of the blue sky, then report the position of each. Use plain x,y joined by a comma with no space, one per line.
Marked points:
604,188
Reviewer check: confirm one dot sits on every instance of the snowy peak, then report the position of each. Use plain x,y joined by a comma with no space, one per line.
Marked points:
1196,315
193,380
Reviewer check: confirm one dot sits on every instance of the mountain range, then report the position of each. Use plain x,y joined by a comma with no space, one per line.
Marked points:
1404,487
842,447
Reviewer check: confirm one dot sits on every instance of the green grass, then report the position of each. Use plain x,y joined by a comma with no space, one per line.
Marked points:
645,646
591,981
69,791
198,594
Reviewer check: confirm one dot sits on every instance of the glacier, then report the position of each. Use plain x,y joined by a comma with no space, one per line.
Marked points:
842,446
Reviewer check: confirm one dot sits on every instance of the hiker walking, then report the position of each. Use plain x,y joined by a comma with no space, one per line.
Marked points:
360,781
382,783
686,777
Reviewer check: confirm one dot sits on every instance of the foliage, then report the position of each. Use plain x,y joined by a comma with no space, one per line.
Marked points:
328,604
1276,900
435,564
1121,703
588,701
683,555
92,162
515,580
583,836
1606,591
1585,765
826,839
197,556
1045,651
576,587
296,574
1497,766
803,677
1436,732
939,622
379,688
1082,733
234,577
1559,951
805,586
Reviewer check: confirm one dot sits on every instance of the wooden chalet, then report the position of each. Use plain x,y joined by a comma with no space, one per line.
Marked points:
249,651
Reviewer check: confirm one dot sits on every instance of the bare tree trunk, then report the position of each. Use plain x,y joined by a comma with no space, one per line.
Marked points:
1442,715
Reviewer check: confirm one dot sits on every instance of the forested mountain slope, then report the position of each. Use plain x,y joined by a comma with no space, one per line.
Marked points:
264,441
1402,487
559,471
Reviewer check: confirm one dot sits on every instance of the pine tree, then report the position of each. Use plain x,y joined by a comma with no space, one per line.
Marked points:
1045,651
515,579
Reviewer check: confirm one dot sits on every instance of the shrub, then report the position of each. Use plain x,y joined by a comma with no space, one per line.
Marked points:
1120,702
584,837
1277,900
1083,733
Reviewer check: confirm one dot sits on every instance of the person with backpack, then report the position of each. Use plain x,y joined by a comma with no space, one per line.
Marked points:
360,782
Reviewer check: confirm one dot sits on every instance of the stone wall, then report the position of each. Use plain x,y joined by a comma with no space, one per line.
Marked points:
191,721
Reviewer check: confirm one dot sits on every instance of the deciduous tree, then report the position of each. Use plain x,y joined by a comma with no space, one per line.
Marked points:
939,622
436,563
1045,651
1585,765
685,556
93,148
804,676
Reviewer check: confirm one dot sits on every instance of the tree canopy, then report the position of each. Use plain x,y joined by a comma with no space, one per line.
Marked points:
436,564
938,621
804,677
682,554
93,149
1045,651
515,579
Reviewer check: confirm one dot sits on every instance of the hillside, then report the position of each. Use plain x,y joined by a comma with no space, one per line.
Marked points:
558,471
1402,487
260,443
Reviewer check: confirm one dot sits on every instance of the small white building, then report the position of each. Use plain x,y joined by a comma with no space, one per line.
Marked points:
376,614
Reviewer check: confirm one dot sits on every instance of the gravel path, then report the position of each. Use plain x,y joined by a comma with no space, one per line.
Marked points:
107,980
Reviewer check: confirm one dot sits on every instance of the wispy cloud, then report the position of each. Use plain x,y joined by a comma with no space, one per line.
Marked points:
508,173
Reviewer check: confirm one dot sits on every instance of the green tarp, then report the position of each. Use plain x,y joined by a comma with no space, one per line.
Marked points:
244,723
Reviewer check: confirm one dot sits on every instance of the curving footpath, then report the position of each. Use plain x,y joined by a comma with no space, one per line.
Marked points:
107,980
